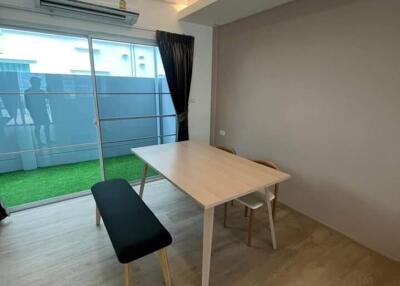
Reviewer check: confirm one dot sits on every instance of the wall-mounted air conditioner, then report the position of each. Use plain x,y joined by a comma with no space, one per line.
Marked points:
88,11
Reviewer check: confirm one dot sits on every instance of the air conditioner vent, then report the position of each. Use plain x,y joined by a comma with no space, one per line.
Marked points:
88,11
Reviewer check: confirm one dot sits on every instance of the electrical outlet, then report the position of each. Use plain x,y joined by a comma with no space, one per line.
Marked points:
222,132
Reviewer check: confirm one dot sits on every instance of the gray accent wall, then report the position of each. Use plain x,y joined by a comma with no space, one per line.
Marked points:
315,86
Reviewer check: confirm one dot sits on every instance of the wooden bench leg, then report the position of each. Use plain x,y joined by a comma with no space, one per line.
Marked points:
128,275
162,256
97,216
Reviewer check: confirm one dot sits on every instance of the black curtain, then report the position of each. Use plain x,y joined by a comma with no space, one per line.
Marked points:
177,56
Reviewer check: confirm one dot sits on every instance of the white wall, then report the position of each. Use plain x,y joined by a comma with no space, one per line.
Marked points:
153,15
315,86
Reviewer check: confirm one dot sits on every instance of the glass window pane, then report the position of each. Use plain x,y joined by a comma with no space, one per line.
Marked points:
135,108
113,58
144,61
48,143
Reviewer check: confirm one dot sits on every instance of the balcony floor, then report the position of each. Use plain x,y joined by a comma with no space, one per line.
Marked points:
21,187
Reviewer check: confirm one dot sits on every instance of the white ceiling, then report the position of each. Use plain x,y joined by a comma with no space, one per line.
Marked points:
220,12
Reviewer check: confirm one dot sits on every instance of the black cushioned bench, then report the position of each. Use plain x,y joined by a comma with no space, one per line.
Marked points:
133,229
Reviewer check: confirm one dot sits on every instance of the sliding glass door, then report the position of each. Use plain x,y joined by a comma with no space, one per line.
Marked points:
48,137
135,107
50,86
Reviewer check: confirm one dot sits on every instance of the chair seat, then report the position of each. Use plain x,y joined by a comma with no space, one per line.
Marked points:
256,200
133,229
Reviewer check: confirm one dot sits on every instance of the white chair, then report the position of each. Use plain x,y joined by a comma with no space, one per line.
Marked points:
257,200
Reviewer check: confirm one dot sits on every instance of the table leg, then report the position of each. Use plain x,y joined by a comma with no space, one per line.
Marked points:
144,174
208,225
271,224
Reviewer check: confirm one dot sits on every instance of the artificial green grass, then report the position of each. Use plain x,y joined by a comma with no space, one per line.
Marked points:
21,187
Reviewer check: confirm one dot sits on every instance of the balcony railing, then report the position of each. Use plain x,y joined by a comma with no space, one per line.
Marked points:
22,119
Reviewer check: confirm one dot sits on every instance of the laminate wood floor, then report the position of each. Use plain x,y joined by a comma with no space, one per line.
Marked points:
59,244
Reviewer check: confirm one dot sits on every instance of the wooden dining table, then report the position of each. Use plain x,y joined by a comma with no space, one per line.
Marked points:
209,176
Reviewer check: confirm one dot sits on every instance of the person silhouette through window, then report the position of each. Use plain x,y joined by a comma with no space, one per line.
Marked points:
35,99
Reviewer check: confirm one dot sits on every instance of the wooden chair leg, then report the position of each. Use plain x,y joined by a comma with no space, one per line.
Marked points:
162,256
271,224
246,210
97,216
274,204
225,213
128,281
250,228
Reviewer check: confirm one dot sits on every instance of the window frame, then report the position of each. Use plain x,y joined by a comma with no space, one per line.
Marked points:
146,38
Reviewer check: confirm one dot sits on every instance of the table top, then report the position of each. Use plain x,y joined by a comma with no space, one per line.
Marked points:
207,174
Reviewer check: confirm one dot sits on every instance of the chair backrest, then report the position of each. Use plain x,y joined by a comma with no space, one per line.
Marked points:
271,165
267,163
227,149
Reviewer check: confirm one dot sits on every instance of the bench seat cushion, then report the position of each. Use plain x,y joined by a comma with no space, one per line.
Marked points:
133,229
